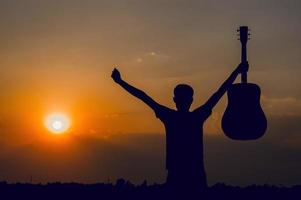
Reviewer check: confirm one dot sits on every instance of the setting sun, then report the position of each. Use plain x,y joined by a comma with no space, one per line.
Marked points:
57,123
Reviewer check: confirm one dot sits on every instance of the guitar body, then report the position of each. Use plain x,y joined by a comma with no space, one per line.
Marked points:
244,118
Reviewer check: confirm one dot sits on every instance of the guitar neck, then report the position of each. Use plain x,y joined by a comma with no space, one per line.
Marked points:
244,77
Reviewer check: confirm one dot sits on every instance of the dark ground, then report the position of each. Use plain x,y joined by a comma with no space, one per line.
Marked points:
125,190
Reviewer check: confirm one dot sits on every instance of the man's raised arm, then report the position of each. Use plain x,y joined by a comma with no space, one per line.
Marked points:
134,91
214,99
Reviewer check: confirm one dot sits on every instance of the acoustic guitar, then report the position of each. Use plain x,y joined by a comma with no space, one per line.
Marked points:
244,118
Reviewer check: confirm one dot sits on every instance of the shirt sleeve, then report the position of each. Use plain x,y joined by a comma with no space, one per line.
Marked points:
203,112
162,112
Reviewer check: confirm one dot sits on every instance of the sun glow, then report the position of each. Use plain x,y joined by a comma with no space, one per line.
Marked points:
57,123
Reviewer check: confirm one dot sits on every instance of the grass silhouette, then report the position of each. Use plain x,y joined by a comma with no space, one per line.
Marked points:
122,189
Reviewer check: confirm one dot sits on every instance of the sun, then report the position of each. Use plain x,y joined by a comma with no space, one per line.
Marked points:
57,123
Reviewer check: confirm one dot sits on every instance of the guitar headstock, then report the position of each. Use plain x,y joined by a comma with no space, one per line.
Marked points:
243,34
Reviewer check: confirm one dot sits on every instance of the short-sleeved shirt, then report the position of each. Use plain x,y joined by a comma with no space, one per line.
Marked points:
184,136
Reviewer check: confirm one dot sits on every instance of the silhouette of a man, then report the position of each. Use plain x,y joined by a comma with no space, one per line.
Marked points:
184,130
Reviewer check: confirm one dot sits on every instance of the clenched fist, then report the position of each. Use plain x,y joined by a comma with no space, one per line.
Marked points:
116,75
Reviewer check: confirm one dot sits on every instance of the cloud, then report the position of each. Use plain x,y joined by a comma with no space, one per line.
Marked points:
274,159
282,106
153,57
86,159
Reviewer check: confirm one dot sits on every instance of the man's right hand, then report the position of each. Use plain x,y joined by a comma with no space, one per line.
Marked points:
243,67
116,75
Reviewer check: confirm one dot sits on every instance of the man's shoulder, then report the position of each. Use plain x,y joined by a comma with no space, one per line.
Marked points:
162,112
203,110
167,110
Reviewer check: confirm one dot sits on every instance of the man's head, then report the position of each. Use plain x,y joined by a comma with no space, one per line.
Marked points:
183,97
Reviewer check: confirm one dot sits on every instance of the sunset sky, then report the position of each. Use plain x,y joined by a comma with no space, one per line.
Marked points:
57,56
